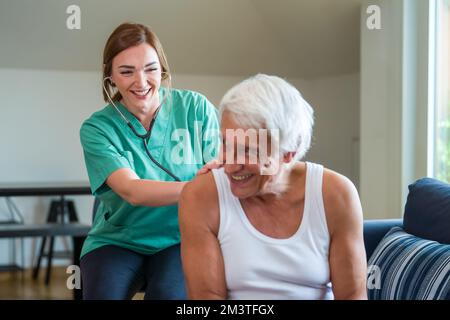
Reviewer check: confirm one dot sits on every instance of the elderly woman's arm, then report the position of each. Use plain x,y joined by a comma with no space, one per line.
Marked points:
200,250
345,223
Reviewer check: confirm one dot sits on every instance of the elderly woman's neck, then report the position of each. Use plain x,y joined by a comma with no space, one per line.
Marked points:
279,187
276,187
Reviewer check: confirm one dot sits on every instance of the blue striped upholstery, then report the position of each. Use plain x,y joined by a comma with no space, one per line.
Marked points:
409,268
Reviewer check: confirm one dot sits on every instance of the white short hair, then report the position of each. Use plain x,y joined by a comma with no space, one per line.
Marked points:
269,102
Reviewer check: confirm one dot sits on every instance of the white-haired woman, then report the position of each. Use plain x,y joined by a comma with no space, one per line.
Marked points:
295,233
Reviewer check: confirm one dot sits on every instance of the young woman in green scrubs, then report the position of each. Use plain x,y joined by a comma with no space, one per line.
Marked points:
134,241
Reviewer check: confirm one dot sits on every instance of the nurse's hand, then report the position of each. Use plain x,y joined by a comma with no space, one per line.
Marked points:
214,164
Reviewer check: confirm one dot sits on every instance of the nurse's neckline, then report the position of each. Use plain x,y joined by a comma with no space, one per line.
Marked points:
135,121
147,122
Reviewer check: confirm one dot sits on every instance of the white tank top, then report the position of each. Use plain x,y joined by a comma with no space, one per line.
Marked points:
260,267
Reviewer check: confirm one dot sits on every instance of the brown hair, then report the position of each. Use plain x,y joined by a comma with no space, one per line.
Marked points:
123,37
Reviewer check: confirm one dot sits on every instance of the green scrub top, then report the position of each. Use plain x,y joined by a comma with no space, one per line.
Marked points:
184,137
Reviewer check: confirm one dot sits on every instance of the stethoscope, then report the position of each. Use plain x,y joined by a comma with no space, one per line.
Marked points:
145,136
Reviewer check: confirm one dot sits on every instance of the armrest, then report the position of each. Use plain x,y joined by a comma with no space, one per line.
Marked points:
374,231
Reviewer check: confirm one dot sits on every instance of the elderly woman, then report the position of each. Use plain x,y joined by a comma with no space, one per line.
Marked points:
295,233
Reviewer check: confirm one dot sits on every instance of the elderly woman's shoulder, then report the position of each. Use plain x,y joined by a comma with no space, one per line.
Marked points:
336,180
201,188
341,201
199,204
337,189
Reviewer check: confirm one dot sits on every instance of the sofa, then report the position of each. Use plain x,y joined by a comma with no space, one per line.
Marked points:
409,258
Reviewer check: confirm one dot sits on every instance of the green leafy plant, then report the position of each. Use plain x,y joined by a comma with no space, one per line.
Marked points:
442,153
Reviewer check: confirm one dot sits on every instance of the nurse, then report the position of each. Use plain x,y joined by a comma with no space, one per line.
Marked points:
134,240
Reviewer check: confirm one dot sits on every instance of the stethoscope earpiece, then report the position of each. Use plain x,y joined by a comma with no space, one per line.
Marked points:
110,80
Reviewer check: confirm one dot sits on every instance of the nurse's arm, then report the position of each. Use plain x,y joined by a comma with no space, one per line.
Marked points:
141,192
200,250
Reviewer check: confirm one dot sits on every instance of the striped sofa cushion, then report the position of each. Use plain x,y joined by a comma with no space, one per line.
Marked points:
406,267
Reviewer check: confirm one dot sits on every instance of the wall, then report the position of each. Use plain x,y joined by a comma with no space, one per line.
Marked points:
336,131
394,105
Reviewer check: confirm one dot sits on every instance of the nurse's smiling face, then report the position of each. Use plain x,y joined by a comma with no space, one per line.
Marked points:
136,72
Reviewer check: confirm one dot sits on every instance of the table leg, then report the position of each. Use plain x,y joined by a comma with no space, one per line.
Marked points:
77,246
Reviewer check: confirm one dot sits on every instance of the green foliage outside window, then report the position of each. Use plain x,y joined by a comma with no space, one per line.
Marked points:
442,168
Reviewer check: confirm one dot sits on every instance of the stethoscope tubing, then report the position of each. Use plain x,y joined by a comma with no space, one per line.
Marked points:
145,136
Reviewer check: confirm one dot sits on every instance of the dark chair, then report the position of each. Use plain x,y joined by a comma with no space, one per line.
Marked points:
95,207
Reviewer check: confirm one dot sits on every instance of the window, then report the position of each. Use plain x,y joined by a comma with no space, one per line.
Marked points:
442,93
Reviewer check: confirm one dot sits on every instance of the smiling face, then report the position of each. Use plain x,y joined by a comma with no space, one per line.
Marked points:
136,72
245,175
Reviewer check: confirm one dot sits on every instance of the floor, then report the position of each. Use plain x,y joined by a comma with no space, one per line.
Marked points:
20,286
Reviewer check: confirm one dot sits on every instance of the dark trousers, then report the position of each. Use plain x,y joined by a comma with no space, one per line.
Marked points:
115,273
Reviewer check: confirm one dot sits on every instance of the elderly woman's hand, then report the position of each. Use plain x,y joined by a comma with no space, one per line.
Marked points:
214,164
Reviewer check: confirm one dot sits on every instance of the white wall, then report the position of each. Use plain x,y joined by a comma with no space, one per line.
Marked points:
381,112
42,110
213,87
394,102
336,130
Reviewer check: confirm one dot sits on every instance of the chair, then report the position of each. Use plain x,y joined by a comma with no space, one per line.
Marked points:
95,207
411,261
375,230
